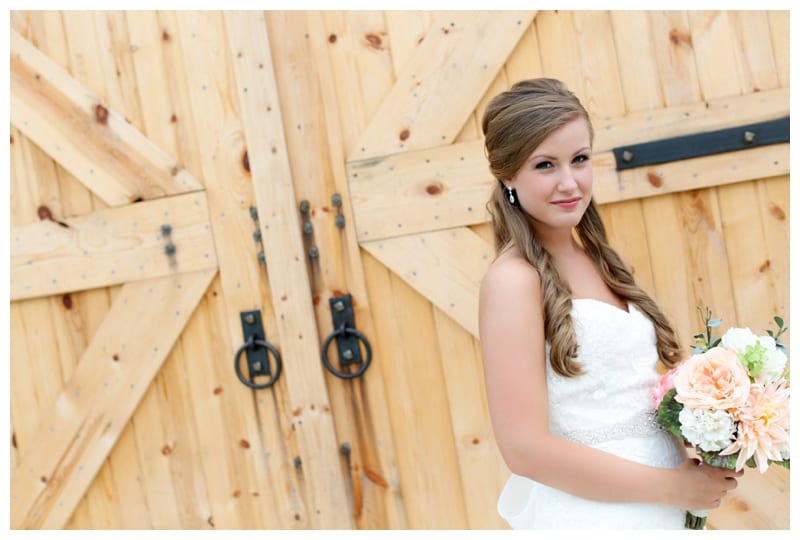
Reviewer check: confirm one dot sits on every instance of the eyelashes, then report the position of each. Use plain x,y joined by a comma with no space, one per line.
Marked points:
580,158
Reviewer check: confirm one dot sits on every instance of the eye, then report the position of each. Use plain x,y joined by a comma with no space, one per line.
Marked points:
582,158
543,165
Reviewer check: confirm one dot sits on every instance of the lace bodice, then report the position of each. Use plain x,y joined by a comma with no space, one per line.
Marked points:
612,399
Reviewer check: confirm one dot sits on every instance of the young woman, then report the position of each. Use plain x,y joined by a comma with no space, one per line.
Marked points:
570,343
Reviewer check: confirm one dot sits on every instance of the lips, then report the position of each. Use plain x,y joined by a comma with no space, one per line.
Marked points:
567,203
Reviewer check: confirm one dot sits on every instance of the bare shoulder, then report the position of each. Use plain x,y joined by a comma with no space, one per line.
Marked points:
511,274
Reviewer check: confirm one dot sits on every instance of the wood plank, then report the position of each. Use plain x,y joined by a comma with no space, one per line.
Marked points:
677,67
702,172
440,76
442,186
713,41
694,116
89,414
483,471
89,139
598,54
243,451
559,50
448,186
426,455
288,275
111,247
360,411
433,263
636,63
525,62
779,34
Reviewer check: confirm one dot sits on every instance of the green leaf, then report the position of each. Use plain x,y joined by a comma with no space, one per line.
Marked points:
778,321
715,342
668,411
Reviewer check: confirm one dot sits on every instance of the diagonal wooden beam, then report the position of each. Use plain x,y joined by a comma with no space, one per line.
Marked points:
111,247
436,264
98,146
443,81
75,437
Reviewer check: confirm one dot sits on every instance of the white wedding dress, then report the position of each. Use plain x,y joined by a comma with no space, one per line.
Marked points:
609,407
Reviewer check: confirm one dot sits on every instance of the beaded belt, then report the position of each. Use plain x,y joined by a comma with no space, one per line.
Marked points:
643,424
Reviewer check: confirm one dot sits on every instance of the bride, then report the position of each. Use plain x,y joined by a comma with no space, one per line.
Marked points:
571,345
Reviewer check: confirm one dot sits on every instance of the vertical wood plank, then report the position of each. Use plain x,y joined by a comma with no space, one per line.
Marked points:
288,277
245,445
420,414
559,49
779,33
360,411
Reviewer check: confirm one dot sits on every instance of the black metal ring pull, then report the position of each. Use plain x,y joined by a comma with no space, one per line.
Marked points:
252,343
344,331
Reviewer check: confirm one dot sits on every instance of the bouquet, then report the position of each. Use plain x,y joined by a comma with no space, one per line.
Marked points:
729,401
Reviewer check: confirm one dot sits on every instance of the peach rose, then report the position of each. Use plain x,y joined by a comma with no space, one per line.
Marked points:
715,379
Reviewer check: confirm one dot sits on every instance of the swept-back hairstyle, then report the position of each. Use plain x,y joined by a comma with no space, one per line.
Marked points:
514,124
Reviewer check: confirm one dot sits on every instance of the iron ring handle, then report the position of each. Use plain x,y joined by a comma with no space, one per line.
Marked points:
340,332
270,349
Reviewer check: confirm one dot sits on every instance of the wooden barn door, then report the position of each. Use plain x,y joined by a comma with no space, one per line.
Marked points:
172,171
418,182
102,292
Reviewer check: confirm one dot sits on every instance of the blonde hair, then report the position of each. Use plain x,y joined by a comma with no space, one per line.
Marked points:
514,124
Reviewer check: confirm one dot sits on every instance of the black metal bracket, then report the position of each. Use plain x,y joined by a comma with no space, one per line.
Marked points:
702,144
256,349
347,340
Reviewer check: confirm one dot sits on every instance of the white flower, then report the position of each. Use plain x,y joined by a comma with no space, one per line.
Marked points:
737,339
710,429
775,361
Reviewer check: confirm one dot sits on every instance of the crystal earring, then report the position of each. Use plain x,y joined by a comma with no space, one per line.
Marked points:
511,196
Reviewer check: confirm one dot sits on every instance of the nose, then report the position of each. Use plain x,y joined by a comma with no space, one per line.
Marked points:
567,181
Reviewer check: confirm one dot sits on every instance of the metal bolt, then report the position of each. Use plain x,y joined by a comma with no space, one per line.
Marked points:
336,200
257,366
339,220
298,462
345,449
627,156
257,236
249,318
304,206
262,259
348,355
166,229
170,249
308,228
749,136
313,252
338,306
254,212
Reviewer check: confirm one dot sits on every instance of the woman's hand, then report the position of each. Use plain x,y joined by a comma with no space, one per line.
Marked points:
700,486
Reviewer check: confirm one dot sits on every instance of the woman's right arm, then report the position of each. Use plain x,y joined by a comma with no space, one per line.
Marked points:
511,321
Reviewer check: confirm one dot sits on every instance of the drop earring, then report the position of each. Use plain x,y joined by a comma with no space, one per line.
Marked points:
511,196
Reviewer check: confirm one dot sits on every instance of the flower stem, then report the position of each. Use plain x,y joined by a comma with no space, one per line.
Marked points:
694,522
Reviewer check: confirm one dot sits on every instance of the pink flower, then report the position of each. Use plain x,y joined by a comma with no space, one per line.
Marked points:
763,431
664,385
715,379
